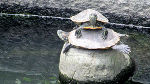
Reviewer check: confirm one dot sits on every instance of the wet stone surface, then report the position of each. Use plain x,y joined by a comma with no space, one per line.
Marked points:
125,17
85,66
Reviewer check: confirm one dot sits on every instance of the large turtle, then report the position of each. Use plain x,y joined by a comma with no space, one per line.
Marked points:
89,19
91,40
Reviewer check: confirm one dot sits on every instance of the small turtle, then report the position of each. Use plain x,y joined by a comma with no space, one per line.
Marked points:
88,19
90,40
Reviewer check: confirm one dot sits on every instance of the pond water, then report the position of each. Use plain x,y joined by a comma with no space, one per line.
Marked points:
30,48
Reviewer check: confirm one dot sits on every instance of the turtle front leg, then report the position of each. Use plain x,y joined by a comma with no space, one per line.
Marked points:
104,33
67,47
78,33
122,48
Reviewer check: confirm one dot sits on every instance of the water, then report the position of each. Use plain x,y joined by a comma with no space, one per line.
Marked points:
30,50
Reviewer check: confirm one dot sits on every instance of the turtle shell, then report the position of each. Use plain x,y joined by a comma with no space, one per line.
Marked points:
84,16
92,39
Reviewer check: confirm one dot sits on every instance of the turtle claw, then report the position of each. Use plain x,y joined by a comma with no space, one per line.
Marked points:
78,33
122,48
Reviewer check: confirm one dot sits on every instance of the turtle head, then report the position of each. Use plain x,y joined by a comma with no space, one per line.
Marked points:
63,35
92,19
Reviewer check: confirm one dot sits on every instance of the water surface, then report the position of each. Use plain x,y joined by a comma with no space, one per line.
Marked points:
30,48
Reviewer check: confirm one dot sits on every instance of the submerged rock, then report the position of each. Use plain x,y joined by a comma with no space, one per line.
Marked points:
94,66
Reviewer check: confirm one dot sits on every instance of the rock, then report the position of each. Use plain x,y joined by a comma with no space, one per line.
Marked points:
119,11
94,66
113,6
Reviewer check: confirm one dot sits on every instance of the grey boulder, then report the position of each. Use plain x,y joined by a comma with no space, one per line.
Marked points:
94,66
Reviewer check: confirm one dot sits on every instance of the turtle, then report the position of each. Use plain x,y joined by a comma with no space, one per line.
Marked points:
90,40
88,19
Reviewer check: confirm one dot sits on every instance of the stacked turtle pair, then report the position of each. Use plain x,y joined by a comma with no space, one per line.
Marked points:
91,33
